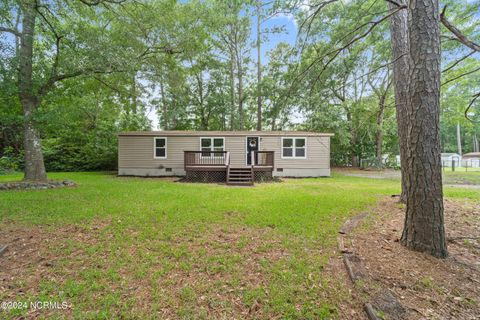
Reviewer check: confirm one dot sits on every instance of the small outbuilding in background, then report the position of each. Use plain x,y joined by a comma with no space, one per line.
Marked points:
471,160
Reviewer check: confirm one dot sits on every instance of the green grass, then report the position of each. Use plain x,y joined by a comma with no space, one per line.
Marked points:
460,176
153,248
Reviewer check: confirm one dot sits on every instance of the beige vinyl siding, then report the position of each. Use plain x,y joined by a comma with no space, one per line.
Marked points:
137,151
318,152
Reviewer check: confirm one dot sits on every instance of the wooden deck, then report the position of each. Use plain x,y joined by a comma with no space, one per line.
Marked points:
215,166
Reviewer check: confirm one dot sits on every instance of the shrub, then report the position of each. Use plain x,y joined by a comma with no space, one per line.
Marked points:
10,161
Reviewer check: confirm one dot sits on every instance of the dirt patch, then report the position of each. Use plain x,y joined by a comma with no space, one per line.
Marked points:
429,287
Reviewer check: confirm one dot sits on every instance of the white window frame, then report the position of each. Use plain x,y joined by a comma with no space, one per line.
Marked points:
294,146
155,147
212,146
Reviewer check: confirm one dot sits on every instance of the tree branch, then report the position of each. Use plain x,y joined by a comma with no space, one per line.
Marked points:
458,34
10,30
49,24
113,88
458,61
372,24
474,98
395,3
45,88
309,19
461,76
92,3
164,49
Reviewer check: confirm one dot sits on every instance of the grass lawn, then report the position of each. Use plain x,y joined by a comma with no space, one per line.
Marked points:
153,248
460,176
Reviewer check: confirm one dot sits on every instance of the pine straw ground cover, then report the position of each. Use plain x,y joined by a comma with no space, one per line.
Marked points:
429,288
153,248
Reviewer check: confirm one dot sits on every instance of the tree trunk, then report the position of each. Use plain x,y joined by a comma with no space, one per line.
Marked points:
165,120
238,59
354,158
353,147
400,48
459,139
204,118
34,165
240,96
134,95
379,133
259,69
424,222
232,90
274,122
475,143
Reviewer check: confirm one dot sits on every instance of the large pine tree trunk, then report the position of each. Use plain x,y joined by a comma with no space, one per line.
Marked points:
424,222
399,39
34,165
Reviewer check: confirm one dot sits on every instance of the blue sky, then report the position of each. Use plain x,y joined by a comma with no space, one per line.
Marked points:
280,20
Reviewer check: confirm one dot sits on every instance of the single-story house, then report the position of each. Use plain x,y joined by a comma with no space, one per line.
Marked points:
231,156
471,159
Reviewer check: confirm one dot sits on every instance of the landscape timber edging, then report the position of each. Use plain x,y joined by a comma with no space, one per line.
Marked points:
371,314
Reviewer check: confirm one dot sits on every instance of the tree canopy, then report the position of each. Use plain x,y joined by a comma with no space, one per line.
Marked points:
104,66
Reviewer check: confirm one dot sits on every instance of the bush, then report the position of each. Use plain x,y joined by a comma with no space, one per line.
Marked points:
10,161
81,153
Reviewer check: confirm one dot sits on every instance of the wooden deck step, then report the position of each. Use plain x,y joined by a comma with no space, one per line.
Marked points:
240,176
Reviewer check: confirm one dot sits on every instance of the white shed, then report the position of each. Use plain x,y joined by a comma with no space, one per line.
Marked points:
449,158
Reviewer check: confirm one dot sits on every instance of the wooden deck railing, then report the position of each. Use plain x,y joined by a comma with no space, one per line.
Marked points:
206,158
222,159
263,158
